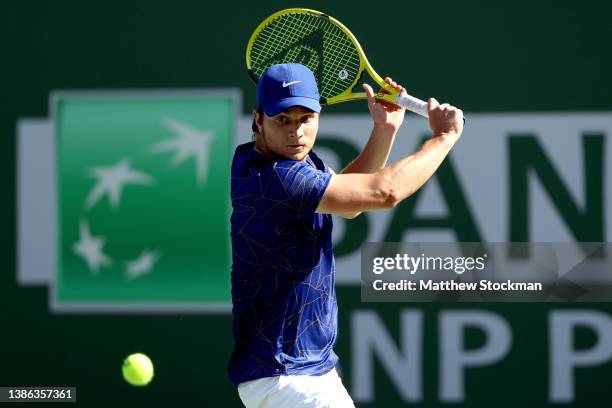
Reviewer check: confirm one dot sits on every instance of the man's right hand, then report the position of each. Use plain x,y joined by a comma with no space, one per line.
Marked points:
444,119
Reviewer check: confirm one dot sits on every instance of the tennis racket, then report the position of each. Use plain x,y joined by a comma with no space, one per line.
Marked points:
328,48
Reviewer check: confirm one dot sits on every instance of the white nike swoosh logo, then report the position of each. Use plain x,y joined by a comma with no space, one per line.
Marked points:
286,84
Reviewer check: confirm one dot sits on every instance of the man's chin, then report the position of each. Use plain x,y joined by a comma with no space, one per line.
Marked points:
296,155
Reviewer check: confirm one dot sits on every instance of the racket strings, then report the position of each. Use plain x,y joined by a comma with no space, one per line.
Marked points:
271,45
286,39
274,40
344,63
313,41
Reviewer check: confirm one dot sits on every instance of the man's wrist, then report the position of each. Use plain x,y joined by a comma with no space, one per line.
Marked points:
449,137
385,128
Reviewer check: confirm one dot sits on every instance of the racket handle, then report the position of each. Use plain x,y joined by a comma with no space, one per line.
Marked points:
412,104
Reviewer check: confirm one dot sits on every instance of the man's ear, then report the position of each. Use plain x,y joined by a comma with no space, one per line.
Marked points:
258,120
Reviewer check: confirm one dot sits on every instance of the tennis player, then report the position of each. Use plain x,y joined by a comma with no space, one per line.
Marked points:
283,195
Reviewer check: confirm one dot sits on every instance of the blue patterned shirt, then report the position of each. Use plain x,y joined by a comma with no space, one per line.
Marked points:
283,276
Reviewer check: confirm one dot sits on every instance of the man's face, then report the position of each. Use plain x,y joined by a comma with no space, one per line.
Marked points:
289,134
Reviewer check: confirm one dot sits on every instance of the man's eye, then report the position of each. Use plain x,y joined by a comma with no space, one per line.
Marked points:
282,119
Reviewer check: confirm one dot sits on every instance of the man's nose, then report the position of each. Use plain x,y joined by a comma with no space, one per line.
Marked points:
297,129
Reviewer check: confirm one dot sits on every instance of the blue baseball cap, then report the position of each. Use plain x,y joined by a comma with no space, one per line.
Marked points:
283,86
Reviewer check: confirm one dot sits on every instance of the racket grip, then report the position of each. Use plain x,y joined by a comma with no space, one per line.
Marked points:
412,104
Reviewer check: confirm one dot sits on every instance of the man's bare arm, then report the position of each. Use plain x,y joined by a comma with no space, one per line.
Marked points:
387,120
350,194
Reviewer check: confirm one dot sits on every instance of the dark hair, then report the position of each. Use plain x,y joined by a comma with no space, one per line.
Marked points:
254,125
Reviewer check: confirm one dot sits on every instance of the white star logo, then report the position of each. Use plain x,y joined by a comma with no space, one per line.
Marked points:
189,141
142,265
90,249
111,180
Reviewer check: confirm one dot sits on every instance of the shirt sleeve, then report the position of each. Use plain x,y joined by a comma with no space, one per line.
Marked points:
297,186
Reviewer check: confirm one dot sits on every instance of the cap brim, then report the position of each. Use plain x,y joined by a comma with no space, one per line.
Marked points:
273,109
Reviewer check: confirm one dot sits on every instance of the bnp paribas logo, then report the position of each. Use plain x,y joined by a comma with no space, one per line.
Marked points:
124,200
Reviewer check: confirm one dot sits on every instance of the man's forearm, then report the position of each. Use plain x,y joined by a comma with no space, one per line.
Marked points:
376,152
408,174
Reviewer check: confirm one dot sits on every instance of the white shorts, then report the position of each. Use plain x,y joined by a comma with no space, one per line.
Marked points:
288,391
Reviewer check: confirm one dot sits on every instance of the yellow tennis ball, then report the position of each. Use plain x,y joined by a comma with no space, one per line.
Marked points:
137,369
